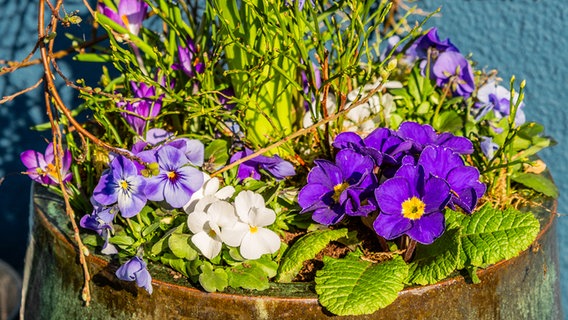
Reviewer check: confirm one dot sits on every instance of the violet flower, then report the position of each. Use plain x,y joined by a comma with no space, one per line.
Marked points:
135,270
130,14
176,180
188,62
429,43
100,221
452,68
411,203
422,135
496,98
123,185
41,167
466,189
341,188
143,110
488,147
275,166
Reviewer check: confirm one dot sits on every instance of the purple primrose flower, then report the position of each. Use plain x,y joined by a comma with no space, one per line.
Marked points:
135,270
130,14
122,184
466,189
276,166
423,135
176,180
341,188
411,203
41,167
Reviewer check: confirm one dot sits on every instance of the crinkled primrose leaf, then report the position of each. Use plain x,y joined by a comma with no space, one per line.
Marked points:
437,261
304,249
490,235
352,286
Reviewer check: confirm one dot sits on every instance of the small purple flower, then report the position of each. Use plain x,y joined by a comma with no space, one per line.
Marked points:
135,270
341,188
276,166
188,62
466,189
41,167
411,203
488,147
176,180
130,14
423,135
122,184
429,42
496,98
193,149
452,68
143,110
100,221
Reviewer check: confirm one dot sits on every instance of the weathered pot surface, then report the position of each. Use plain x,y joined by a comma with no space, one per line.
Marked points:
525,287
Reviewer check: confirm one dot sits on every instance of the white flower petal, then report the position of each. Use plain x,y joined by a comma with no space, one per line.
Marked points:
262,217
209,247
222,213
225,192
196,221
210,186
261,242
233,235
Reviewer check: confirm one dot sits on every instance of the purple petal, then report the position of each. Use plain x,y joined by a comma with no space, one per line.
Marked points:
436,195
391,226
428,228
392,193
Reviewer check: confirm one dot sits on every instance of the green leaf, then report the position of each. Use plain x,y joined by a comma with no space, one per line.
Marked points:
216,154
92,57
159,246
537,182
122,239
351,286
448,121
490,235
304,249
437,261
248,276
175,263
213,279
180,247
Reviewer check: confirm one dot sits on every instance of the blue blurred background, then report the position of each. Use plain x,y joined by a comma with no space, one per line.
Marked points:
525,38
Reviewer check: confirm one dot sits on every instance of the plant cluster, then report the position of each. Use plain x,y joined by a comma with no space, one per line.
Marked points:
233,141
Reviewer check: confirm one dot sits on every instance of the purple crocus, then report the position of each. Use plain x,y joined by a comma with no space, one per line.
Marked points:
123,185
41,167
135,270
411,203
422,135
275,166
496,98
452,68
188,61
130,14
466,189
143,110
341,188
176,180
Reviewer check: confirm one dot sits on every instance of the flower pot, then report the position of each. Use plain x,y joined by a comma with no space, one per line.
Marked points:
525,287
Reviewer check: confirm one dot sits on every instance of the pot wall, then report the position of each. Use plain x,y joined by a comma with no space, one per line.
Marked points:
525,287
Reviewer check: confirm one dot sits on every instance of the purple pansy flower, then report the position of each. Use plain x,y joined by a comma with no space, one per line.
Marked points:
411,203
429,42
100,221
41,167
452,68
130,14
135,270
143,110
466,189
423,135
336,189
176,180
496,98
193,149
188,61
276,166
123,185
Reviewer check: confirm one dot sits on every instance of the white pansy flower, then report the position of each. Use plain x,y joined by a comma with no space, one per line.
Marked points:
210,216
249,233
210,188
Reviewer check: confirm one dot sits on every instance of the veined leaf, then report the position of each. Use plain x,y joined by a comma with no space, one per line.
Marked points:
213,279
537,182
490,235
436,261
351,286
248,276
304,249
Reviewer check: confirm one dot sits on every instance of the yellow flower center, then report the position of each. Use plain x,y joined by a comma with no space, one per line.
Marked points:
413,208
338,189
253,229
172,175
123,184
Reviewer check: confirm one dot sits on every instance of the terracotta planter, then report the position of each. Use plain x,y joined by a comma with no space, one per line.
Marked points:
526,287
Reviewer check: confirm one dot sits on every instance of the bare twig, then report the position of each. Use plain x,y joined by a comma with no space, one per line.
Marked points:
12,96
